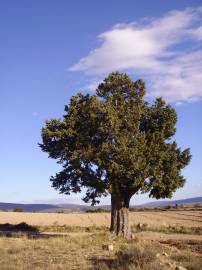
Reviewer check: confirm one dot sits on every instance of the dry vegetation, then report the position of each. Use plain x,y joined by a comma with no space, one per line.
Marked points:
162,240
86,252
152,218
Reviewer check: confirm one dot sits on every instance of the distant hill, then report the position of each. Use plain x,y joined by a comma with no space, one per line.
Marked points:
194,200
156,203
68,207
44,207
26,207
83,208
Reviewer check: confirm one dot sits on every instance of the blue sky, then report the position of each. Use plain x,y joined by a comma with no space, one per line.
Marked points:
50,50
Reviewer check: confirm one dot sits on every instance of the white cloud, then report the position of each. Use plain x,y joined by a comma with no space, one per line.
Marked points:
165,51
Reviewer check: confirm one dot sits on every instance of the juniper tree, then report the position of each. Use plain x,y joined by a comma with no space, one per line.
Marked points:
114,142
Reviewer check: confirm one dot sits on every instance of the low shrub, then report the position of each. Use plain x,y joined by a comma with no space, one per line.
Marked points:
71,229
168,229
18,209
60,212
21,227
97,210
131,258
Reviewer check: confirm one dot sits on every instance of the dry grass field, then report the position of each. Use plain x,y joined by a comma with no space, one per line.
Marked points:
161,241
163,218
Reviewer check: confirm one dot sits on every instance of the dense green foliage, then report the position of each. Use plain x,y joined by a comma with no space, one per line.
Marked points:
115,142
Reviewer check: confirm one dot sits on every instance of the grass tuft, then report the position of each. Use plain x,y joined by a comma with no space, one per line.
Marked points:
188,260
168,229
131,258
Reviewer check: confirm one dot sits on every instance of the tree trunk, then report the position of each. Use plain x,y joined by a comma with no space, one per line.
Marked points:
120,215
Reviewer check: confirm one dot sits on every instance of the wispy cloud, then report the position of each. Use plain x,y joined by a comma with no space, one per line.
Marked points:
166,51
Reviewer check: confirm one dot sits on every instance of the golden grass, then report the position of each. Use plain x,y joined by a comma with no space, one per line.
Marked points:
167,218
85,252
189,260
81,252
51,253
83,247
167,229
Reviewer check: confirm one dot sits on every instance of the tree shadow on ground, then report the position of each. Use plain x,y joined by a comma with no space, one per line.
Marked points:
24,229
108,263
10,230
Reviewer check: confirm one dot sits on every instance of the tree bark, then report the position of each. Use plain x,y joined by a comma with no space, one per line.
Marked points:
120,215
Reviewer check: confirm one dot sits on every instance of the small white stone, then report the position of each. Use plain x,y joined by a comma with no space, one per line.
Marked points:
108,247
171,264
139,225
132,236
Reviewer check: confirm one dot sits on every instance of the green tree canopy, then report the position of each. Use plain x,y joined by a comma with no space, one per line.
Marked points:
114,142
